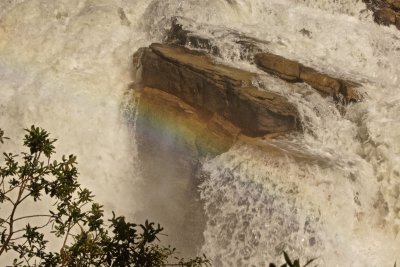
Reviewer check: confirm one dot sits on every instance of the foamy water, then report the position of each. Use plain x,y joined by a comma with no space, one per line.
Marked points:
65,65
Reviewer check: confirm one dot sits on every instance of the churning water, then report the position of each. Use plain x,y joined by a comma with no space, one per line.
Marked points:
65,65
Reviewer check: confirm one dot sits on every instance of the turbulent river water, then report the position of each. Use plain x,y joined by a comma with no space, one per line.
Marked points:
65,66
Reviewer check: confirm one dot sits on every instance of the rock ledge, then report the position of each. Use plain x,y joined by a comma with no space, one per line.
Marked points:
215,89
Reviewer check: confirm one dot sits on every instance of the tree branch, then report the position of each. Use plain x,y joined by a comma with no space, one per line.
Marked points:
32,216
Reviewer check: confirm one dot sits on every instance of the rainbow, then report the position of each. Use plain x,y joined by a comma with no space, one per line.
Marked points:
168,117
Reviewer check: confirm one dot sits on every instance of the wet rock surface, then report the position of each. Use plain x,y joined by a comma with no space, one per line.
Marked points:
386,12
215,89
293,71
284,68
204,133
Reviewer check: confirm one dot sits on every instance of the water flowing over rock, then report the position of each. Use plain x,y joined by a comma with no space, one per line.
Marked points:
286,69
178,35
218,108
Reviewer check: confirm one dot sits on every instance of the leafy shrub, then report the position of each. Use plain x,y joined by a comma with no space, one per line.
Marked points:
74,217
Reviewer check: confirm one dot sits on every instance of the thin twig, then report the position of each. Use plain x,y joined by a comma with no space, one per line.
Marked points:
32,216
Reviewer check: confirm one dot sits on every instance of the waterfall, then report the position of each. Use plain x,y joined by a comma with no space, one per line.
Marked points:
66,66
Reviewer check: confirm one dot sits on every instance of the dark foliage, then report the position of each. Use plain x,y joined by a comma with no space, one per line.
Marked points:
74,217
290,263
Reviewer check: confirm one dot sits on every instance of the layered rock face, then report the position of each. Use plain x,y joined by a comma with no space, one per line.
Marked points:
293,71
386,12
215,89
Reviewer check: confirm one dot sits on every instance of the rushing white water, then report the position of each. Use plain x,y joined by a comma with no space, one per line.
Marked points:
65,65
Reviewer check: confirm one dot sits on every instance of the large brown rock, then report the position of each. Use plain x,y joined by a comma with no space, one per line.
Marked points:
320,81
215,89
343,90
293,71
284,68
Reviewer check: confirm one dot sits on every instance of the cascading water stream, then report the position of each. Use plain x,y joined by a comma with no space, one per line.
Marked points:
65,65
64,68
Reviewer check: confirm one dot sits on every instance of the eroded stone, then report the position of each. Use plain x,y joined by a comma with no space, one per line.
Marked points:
214,88
284,68
320,81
